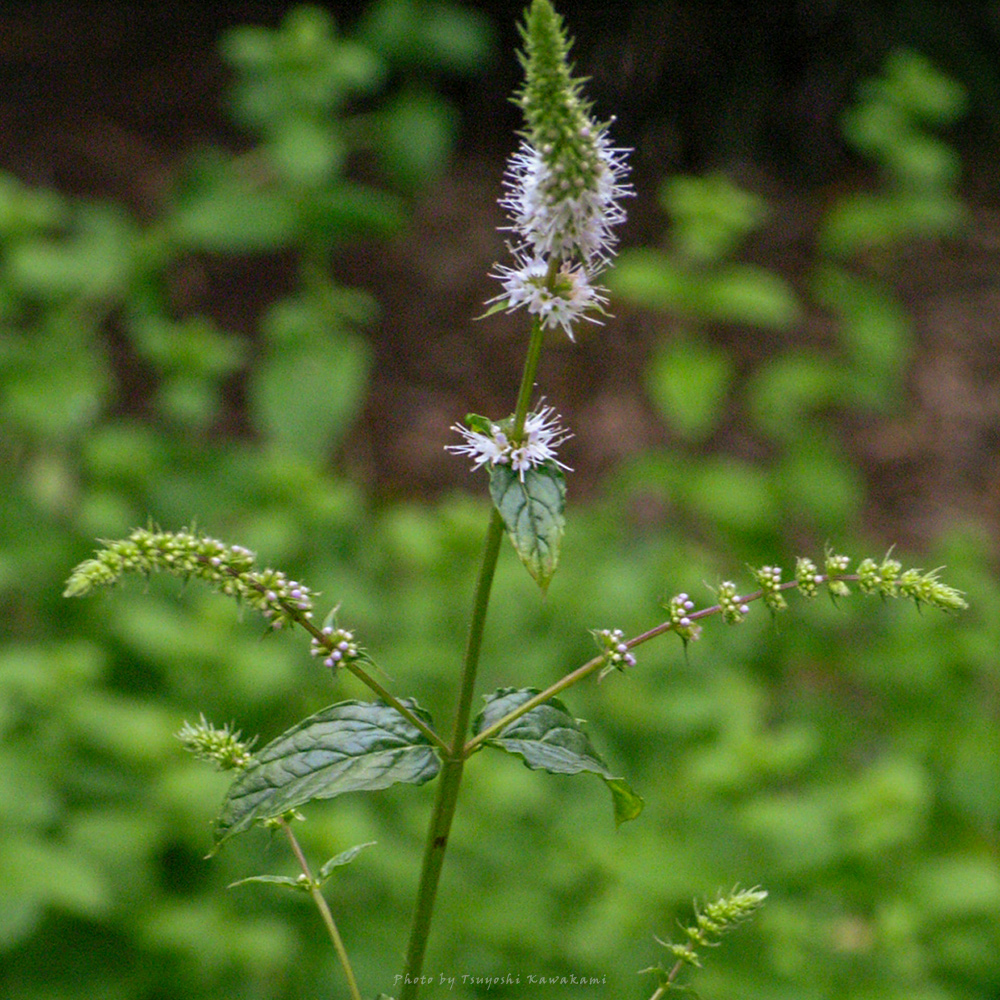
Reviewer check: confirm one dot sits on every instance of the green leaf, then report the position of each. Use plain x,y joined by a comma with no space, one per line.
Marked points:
344,858
348,747
532,511
417,132
292,883
549,739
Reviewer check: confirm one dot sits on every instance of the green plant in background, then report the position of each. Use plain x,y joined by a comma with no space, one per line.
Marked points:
563,192
791,393
116,402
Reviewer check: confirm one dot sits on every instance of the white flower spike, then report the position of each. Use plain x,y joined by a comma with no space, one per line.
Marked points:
563,188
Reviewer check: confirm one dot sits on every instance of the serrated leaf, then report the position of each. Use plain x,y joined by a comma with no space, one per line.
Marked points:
549,739
348,747
344,858
292,883
532,511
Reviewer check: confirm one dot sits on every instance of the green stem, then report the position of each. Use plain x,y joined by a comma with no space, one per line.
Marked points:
324,912
528,379
451,771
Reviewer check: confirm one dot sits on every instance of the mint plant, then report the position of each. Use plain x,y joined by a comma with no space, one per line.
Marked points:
564,197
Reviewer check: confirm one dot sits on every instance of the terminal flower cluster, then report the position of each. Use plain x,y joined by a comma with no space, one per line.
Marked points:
887,578
489,443
719,917
563,188
229,569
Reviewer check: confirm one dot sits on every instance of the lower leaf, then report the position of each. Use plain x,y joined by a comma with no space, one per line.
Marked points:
548,738
351,746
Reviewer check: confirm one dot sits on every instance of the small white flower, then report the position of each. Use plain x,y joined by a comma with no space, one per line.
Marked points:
543,433
491,449
570,297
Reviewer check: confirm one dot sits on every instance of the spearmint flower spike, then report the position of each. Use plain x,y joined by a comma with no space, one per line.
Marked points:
562,188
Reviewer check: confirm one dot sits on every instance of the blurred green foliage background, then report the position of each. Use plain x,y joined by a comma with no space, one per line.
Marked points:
845,756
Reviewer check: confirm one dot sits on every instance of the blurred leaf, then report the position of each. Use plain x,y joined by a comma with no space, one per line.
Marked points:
192,346
344,858
733,293
861,220
291,883
426,34
94,260
302,68
650,278
221,209
911,81
875,332
788,388
549,739
54,382
348,747
304,401
532,511
416,134
306,154
688,381
732,494
744,294
25,211
818,483
711,215
347,210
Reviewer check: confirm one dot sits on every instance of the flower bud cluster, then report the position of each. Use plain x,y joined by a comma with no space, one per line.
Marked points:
807,576
880,578
836,565
612,644
336,647
734,609
227,568
223,747
769,580
890,580
679,606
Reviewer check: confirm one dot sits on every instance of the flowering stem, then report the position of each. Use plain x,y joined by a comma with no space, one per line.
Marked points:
324,911
575,676
362,675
